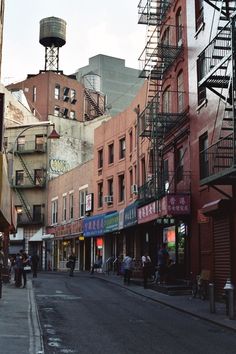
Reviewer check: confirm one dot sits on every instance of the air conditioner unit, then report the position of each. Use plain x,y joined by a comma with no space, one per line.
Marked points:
134,189
108,199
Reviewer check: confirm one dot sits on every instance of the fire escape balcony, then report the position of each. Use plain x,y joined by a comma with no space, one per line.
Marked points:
178,182
30,147
218,163
23,219
157,122
151,12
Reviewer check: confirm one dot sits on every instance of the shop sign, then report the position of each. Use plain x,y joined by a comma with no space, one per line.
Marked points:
121,219
176,204
201,218
111,222
148,212
165,221
89,202
93,225
81,238
130,215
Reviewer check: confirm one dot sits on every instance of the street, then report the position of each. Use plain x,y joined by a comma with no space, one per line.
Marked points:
84,314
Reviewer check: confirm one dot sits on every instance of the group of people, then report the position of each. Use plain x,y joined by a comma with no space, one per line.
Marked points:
20,264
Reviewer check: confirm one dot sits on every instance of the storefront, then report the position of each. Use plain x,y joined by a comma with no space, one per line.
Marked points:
130,230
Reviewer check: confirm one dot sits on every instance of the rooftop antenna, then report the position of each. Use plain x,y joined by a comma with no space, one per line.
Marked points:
52,36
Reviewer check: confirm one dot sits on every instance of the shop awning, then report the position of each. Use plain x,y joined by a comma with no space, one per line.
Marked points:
47,237
37,237
216,206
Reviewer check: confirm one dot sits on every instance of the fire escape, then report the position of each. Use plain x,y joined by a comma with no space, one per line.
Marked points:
159,120
216,72
25,180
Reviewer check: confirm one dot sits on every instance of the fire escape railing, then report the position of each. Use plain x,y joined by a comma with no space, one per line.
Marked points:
152,11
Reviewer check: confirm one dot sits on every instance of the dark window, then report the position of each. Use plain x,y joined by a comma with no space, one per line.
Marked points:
199,12
143,170
64,208
111,153
39,142
38,177
201,90
19,178
121,186
110,186
179,164
203,146
100,195
37,213
122,148
100,158
71,205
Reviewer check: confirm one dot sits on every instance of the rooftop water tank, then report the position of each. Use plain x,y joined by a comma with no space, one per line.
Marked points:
52,32
92,81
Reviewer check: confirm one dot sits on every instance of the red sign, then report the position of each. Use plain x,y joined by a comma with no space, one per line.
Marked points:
175,204
201,218
148,212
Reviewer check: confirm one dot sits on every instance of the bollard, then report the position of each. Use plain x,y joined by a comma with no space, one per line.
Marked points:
229,292
212,298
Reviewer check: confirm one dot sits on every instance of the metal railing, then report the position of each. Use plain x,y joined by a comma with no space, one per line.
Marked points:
217,158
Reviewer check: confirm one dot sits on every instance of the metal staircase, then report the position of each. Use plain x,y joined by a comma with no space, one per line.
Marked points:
24,204
96,108
157,121
216,72
30,178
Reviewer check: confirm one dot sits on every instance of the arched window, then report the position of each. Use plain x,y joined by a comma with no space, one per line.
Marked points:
179,28
180,92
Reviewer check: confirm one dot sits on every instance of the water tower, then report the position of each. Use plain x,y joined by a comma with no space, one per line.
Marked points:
52,36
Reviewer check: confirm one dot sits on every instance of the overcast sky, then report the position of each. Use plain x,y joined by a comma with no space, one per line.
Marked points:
94,27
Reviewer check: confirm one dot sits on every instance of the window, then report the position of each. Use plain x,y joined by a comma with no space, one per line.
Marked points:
179,28
34,93
19,213
130,141
166,175
179,164
5,142
56,111
143,170
54,211
180,92
73,96
100,158
203,146
66,94
37,213
110,186
199,12
39,142
38,177
201,94
21,143
166,100
121,187
100,195
64,208
122,148
82,202
135,135
57,92
130,180
110,153
20,178
71,205
166,37
72,114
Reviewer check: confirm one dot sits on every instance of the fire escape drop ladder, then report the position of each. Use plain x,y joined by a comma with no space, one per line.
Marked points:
25,168
24,204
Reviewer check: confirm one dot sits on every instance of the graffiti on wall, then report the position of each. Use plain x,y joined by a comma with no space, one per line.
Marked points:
58,166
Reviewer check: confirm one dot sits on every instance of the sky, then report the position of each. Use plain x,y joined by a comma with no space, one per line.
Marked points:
94,27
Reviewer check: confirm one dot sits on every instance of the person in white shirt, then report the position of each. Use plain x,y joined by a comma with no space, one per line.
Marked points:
127,266
146,263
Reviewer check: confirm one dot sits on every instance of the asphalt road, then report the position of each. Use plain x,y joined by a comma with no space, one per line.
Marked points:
86,315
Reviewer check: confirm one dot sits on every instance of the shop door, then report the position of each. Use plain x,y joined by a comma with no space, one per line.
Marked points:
222,254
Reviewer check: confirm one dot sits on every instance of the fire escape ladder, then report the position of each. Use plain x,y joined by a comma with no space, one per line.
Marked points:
93,103
24,204
25,168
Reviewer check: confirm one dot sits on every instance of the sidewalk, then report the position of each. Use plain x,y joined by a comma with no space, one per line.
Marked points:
19,325
185,303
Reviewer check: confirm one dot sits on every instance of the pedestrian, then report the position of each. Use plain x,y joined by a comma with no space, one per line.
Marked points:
127,266
163,260
34,264
72,260
18,269
97,264
25,263
146,266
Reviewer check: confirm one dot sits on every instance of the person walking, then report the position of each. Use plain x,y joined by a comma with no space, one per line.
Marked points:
25,263
163,259
146,265
127,266
18,269
34,264
72,260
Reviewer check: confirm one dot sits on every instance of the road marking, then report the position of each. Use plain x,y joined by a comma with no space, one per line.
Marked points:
60,296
